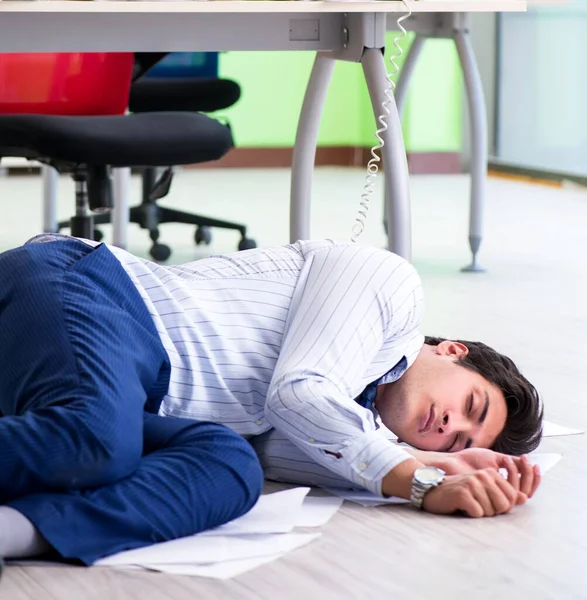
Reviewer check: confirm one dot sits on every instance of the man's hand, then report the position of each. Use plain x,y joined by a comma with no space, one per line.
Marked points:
483,493
477,492
474,459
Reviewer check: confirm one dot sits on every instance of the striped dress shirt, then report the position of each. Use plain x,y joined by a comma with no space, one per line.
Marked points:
279,343
287,338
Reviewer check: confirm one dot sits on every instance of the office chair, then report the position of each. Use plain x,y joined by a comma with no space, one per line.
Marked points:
67,111
150,94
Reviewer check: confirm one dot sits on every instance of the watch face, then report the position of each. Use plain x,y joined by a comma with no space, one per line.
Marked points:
429,475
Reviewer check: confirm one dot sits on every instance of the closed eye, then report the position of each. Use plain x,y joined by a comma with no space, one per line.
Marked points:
485,410
469,407
451,447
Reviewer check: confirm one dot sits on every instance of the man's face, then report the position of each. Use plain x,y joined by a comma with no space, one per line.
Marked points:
439,405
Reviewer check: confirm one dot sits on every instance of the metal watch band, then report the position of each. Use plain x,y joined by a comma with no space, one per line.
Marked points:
418,492
421,488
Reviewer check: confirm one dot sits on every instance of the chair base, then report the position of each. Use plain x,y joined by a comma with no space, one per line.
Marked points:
149,215
82,227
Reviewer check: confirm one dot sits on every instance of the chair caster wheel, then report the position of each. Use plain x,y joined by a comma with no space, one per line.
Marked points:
203,235
247,244
160,252
98,235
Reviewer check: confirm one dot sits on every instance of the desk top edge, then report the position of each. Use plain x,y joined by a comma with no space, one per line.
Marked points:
252,6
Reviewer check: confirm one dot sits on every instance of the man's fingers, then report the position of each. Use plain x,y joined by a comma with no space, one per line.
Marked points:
522,475
511,494
526,476
502,494
513,472
453,466
486,493
501,502
470,505
537,480
479,489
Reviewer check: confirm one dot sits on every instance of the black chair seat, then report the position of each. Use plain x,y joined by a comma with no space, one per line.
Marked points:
189,94
142,140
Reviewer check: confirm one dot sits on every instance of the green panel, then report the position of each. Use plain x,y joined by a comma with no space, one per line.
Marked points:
341,123
273,85
433,119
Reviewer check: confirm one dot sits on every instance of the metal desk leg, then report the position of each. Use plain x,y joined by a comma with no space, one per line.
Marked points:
304,152
407,70
50,184
394,156
121,210
479,149
401,91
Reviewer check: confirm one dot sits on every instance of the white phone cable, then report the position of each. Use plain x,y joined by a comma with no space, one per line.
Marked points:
373,164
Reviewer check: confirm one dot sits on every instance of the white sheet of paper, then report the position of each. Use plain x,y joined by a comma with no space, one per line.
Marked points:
364,498
546,460
273,513
233,568
223,570
198,549
552,429
280,512
317,511
263,532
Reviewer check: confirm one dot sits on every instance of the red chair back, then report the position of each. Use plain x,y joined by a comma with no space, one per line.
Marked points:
65,84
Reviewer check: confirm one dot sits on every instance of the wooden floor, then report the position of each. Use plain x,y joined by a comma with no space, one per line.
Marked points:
531,303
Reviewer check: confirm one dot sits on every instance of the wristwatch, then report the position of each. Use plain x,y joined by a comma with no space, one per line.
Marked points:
424,480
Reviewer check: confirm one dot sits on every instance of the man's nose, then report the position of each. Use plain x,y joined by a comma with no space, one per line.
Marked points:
451,422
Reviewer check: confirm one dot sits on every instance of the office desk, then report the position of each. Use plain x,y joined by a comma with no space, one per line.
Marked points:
351,31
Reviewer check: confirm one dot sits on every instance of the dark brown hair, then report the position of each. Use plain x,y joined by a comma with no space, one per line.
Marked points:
523,427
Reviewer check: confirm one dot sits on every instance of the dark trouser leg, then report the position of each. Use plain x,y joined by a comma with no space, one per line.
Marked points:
194,476
78,356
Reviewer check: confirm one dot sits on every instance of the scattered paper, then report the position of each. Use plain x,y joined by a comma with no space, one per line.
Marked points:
198,549
225,570
260,536
545,460
364,498
317,511
233,568
280,512
552,429
273,513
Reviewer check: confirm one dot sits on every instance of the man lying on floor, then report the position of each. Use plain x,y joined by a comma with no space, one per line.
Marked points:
128,390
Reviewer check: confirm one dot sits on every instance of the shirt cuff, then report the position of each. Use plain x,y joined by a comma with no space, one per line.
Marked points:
370,457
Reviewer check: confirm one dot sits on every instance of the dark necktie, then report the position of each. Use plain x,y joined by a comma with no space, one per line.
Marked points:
367,398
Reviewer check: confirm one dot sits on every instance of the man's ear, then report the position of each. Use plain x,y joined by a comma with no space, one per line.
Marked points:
450,348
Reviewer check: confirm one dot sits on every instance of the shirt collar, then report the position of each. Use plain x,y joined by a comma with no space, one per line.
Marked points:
367,397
